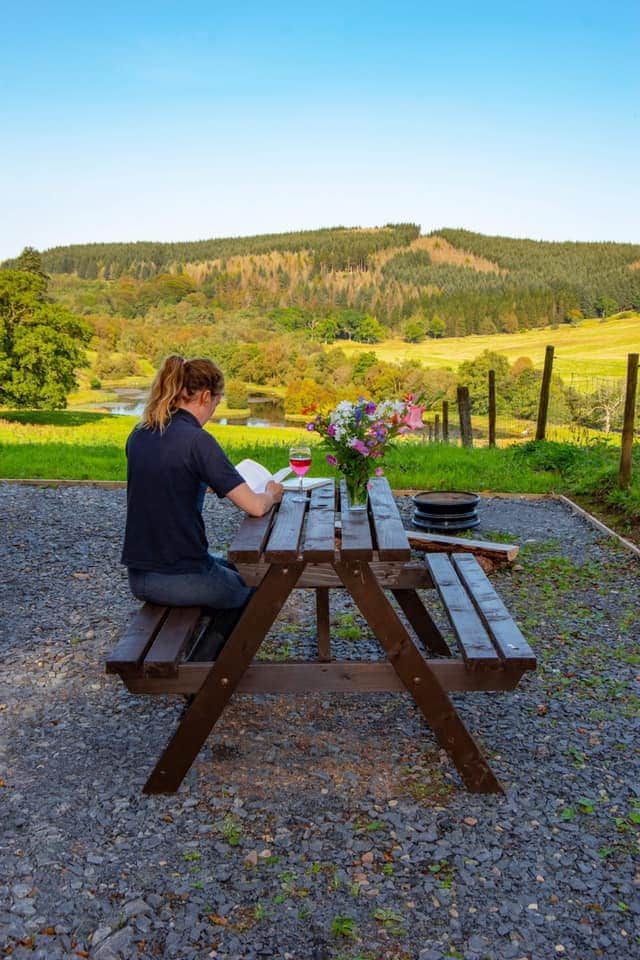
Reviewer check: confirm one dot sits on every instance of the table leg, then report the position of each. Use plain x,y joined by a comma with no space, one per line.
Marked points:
221,681
422,621
418,678
323,622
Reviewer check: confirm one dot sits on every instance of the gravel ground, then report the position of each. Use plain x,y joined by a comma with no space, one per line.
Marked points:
315,827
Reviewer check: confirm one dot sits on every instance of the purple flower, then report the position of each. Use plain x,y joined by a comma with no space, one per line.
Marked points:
370,408
311,426
331,430
379,472
331,459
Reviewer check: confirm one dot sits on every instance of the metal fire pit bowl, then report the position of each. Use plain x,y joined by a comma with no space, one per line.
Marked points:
445,510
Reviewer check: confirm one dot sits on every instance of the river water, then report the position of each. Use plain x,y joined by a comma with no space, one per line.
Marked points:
264,412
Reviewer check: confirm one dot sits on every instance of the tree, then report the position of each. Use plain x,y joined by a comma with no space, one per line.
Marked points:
414,330
40,344
437,327
30,261
475,375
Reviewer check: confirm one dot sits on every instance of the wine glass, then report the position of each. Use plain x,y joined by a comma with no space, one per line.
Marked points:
300,461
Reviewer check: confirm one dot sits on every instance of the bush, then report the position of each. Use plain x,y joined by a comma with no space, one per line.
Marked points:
95,384
543,455
236,394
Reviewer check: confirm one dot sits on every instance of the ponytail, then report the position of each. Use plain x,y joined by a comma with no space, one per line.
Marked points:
177,381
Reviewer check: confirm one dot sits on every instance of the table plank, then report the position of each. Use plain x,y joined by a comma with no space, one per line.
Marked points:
284,539
357,542
319,536
249,541
391,537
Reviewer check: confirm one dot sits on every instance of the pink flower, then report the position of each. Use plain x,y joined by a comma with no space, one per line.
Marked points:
331,459
360,446
379,472
413,416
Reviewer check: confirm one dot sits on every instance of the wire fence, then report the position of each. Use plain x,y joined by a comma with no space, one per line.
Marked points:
582,410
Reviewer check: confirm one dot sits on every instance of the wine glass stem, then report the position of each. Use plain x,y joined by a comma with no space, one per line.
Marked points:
301,486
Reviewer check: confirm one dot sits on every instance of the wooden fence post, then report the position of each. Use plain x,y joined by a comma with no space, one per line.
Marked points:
445,421
492,408
543,406
624,475
464,412
436,427
430,428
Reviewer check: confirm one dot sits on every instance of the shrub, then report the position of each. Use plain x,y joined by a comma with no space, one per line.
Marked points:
236,394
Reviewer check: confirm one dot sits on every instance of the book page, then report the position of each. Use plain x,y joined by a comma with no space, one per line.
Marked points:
258,476
279,475
254,474
308,483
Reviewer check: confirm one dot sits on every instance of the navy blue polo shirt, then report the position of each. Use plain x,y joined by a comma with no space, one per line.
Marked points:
167,474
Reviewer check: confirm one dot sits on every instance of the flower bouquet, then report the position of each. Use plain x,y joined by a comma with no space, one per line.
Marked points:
358,433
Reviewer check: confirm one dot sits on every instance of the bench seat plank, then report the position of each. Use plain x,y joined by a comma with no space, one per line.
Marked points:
165,654
137,638
511,645
474,641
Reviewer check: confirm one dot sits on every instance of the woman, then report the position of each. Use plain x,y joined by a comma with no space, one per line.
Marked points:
171,461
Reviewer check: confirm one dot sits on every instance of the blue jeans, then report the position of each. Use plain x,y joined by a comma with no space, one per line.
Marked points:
220,587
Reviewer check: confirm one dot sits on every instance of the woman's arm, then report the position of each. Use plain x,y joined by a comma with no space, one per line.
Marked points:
256,504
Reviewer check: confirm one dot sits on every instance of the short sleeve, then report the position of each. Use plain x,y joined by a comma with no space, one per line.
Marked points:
213,465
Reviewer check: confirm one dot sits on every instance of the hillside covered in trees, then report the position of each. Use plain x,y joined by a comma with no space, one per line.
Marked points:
340,283
267,307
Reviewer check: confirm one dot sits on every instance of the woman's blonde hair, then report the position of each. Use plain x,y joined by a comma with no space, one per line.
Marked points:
178,381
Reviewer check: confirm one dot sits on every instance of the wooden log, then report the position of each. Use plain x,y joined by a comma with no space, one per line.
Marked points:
545,389
445,421
440,543
626,449
436,428
464,414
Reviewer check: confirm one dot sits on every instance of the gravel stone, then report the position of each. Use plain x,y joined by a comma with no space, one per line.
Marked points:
89,863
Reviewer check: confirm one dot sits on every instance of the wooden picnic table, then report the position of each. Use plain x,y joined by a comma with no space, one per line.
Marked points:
295,546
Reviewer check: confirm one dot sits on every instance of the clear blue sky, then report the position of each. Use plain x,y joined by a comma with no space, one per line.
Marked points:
177,121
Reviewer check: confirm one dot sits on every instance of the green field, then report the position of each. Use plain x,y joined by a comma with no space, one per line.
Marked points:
592,348
90,446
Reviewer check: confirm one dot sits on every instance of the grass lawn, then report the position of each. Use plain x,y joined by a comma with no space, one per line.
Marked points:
75,445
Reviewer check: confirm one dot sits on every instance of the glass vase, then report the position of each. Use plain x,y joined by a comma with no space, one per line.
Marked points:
357,491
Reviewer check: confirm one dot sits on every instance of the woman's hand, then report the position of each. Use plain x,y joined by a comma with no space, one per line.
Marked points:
256,504
276,490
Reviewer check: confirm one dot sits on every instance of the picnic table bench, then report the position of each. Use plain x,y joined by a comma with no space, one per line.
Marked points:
295,546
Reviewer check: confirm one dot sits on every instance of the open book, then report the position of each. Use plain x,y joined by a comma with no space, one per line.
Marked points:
258,477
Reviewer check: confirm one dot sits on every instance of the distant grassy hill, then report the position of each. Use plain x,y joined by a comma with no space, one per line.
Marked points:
591,348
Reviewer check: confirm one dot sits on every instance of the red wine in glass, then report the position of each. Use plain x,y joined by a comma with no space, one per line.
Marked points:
300,461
